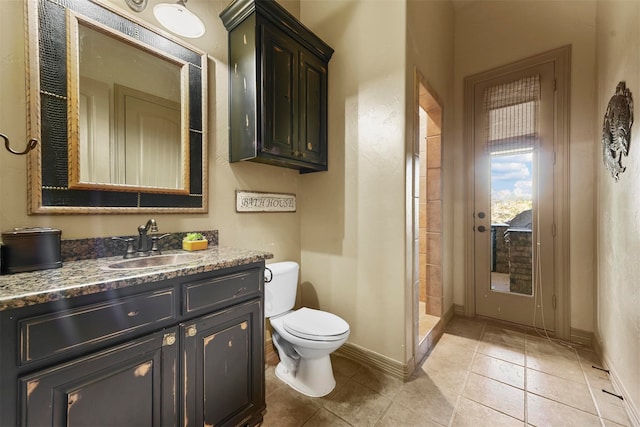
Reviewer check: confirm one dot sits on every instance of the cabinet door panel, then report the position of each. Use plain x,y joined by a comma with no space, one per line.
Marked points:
243,108
224,365
313,109
280,94
133,384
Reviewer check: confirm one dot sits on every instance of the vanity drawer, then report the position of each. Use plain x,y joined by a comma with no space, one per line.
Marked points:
64,331
219,292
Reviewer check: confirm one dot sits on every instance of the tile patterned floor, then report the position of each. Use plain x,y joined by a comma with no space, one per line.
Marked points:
479,374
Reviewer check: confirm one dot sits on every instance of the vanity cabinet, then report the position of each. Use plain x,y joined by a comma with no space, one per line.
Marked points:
278,87
185,351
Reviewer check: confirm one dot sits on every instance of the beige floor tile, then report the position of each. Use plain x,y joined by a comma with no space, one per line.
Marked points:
542,345
548,413
452,379
614,413
357,404
499,370
561,390
422,395
465,343
272,383
588,357
499,396
468,328
377,380
324,418
502,335
448,356
398,415
286,407
502,351
610,407
597,378
558,366
472,414
342,365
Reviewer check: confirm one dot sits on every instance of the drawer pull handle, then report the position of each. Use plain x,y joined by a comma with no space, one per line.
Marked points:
133,313
239,291
169,339
192,331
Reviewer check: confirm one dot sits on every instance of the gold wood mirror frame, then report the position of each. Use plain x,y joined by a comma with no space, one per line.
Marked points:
58,182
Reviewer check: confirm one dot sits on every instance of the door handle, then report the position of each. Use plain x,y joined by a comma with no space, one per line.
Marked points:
482,228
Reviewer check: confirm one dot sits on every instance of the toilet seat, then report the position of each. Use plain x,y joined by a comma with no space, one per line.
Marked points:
315,325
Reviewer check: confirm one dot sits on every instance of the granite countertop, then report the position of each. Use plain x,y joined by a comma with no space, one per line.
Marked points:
76,278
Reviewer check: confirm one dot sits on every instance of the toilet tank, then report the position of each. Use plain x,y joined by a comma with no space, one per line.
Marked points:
280,292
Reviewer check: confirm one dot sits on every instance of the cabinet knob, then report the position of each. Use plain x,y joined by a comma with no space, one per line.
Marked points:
169,339
192,331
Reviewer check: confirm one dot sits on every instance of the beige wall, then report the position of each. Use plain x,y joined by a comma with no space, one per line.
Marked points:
489,34
353,248
275,232
618,205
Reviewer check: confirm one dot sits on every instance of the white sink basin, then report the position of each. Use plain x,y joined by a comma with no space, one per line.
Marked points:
153,261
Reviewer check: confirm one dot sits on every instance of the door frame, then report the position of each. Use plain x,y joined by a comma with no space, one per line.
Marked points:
561,58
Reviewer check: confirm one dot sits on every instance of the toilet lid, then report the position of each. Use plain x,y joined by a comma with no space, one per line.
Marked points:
313,324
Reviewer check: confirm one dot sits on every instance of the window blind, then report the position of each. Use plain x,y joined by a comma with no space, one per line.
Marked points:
512,116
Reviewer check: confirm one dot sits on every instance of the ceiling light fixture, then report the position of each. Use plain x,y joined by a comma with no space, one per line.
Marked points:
178,19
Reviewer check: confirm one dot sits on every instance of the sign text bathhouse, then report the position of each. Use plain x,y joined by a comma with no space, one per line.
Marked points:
252,201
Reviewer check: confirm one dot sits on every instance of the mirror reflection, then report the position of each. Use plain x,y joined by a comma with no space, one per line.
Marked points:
119,109
130,106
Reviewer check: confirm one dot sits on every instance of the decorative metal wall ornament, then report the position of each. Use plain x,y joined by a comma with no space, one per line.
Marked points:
136,5
616,130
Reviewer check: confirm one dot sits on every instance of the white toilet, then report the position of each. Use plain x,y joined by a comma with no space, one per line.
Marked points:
305,337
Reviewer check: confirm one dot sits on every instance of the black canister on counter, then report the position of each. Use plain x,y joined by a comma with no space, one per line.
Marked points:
30,249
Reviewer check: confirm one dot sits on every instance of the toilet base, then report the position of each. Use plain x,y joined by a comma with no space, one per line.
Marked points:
313,378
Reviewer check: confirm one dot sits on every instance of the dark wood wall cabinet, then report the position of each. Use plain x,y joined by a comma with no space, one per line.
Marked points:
278,73
187,351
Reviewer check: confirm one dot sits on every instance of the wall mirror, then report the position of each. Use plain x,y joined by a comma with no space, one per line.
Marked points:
119,109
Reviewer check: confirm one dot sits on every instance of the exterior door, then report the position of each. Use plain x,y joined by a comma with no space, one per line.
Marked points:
514,196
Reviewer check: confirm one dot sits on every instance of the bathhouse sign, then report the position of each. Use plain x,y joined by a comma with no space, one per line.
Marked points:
253,201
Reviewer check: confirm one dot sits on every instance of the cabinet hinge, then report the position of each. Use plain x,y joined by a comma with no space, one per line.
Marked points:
555,85
553,230
553,302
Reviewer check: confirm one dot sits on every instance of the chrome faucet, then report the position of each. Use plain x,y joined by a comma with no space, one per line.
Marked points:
143,240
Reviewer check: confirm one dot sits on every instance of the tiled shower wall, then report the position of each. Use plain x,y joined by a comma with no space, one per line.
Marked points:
431,218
